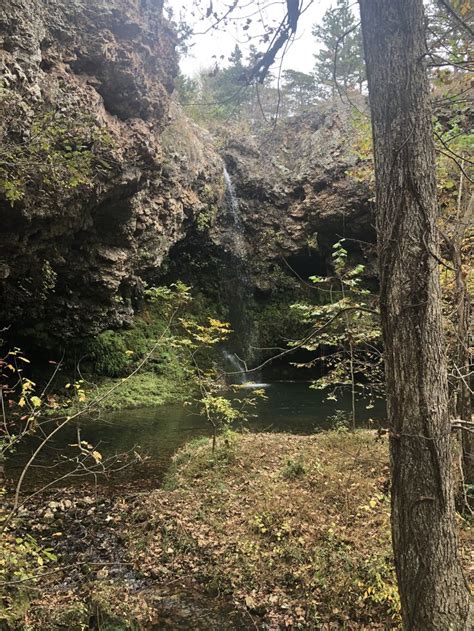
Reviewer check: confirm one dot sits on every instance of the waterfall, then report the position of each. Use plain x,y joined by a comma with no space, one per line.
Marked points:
238,289
232,201
238,366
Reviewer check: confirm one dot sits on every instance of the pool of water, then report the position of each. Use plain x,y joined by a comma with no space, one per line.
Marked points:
158,432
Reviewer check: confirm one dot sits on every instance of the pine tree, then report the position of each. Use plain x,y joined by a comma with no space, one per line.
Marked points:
226,88
299,89
340,60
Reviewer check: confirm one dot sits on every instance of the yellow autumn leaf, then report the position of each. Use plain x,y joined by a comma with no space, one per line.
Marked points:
36,401
373,503
216,323
97,456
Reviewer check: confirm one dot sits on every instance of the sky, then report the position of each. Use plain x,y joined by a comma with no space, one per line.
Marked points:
299,56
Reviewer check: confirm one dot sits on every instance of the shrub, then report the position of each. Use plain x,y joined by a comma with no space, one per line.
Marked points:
294,468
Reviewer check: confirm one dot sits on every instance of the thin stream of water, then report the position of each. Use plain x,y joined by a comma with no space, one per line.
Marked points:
233,202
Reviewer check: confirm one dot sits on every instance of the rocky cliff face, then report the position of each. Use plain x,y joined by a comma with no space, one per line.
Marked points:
103,178
73,254
298,194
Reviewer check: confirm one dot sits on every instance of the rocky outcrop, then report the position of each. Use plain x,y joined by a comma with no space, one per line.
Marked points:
299,192
73,254
103,178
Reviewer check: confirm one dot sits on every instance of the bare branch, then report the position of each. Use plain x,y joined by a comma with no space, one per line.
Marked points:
456,17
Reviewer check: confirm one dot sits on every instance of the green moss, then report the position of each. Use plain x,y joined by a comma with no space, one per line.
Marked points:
116,353
109,354
145,389
164,378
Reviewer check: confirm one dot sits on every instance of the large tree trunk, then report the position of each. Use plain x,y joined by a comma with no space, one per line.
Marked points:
433,591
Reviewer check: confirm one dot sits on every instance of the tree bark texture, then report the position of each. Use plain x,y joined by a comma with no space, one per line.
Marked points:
433,591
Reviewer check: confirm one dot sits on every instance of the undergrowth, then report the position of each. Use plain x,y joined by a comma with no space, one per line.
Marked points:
292,532
295,529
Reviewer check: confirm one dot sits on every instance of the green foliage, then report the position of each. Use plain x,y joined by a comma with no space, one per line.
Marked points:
22,557
187,89
206,218
117,353
300,91
208,334
346,332
48,151
110,355
174,342
340,421
22,560
449,45
227,94
176,295
21,402
220,411
294,468
217,94
277,322
378,583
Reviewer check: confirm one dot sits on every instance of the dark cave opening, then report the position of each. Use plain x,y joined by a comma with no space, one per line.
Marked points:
307,264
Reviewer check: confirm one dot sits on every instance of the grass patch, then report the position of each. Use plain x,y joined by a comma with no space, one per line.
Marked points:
145,389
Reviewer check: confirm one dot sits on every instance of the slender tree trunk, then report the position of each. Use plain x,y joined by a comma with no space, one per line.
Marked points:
353,390
462,403
434,595
462,301
463,400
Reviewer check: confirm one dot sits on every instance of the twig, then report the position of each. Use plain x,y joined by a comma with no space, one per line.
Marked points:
81,412
456,17
61,568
